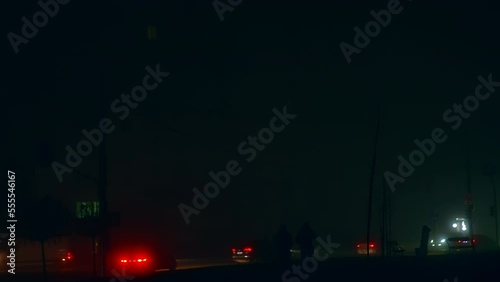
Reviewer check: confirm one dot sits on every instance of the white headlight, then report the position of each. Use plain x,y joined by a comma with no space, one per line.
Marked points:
443,240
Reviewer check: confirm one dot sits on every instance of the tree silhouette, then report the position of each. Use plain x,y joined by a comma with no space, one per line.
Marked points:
43,219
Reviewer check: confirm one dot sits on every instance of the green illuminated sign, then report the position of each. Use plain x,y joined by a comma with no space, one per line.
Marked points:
87,209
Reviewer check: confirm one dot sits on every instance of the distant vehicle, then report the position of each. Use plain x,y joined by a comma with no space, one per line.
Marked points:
461,245
255,251
133,261
140,260
361,249
439,245
65,256
244,254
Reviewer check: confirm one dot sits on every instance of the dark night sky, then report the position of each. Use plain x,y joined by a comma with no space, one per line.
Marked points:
226,77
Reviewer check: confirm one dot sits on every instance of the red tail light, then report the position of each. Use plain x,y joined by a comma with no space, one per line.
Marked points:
459,241
358,246
247,250
372,245
474,241
135,260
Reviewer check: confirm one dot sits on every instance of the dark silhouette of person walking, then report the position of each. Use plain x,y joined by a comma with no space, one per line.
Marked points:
304,239
284,243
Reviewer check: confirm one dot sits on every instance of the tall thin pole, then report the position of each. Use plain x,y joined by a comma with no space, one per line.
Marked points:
370,193
103,176
94,266
469,202
384,218
495,207
489,170
389,217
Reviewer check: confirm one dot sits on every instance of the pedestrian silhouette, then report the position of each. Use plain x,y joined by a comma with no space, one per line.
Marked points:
284,244
304,239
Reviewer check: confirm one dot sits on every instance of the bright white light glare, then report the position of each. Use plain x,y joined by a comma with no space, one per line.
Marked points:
455,225
439,245
443,240
464,228
432,241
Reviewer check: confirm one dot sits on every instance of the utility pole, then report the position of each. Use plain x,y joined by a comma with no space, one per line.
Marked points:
102,185
370,193
468,202
495,207
384,219
489,170
389,218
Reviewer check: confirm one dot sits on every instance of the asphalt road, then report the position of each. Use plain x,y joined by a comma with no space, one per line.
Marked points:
457,268
52,267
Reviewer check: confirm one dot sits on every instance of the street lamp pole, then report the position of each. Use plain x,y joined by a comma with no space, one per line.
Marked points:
370,192
102,186
495,207
489,170
469,200
103,209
